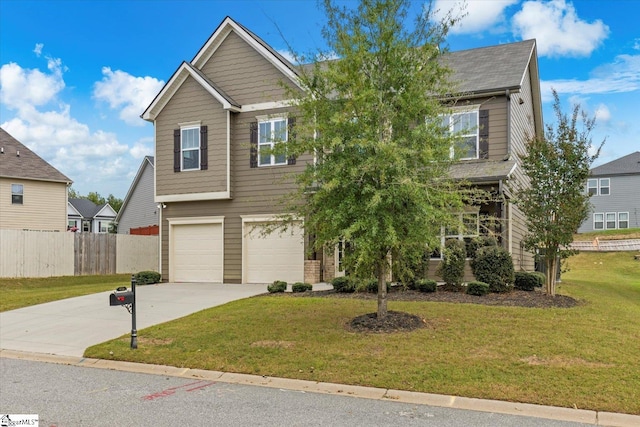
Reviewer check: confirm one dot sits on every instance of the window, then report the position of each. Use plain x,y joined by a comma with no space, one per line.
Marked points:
86,226
623,219
190,148
270,133
611,220
469,228
465,127
599,187
598,221
17,194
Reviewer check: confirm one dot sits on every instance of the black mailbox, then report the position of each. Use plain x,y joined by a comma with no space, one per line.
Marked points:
121,297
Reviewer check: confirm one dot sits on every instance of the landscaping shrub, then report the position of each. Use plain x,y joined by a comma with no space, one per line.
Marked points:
147,277
541,278
480,242
493,265
477,288
344,284
426,285
370,285
526,281
451,269
301,287
277,286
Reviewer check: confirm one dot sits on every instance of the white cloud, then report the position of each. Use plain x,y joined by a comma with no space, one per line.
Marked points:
20,88
128,93
480,15
602,114
142,148
38,49
558,29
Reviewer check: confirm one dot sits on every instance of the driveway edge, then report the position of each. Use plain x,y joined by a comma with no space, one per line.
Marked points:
610,419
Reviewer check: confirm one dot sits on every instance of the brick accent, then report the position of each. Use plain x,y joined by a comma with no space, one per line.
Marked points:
312,271
329,264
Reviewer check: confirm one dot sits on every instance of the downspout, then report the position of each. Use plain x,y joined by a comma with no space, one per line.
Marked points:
507,93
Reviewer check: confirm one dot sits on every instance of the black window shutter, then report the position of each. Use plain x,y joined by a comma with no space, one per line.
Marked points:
483,130
204,150
176,150
253,140
292,121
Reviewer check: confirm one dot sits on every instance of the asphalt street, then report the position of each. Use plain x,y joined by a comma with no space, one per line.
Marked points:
64,395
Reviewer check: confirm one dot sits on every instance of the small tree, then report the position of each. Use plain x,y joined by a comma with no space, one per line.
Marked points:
372,120
451,269
556,203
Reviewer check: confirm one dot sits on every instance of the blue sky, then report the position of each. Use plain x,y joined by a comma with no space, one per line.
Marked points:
76,75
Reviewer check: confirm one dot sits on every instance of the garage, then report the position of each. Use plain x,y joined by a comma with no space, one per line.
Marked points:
276,256
197,252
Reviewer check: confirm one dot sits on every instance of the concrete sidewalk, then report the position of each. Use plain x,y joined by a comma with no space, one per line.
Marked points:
67,327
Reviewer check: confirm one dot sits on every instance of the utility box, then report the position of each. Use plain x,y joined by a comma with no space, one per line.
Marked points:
121,297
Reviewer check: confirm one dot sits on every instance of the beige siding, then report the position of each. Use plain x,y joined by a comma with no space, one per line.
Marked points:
191,103
522,123
44,206
244,74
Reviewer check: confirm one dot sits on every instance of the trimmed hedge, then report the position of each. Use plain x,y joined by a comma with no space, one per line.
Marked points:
147,277
370,285
344,284
477,288
493,265
277,286
426,285
526,281
541,278
451,269
301,287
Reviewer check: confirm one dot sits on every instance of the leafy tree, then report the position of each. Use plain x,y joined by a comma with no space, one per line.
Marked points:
556,203
372,120
96,198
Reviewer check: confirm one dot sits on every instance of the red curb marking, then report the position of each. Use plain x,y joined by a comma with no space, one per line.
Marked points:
172,390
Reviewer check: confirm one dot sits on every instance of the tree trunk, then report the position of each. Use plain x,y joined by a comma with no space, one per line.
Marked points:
382,288
551,276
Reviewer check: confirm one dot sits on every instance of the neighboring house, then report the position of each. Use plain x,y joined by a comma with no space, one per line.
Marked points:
218,112
33,194
615,195
139,209
87,217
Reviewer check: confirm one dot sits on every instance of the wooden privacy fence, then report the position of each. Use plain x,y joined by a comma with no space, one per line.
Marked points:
47,254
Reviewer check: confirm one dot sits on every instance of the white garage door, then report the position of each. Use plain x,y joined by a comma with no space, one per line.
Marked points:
197,252
276,256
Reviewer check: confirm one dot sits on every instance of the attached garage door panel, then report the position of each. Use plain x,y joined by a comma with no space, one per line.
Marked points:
197,253
277,256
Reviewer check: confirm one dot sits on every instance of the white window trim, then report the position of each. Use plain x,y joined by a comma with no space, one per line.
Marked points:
184,127
20,193
600,186
595,221
589,187
272,119
624,220
606,221
459,236
465,110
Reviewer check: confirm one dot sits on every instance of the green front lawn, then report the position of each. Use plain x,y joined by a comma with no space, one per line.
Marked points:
17,293
628,233
586,357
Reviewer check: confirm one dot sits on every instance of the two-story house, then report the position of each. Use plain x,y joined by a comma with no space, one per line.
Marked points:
33,194
216,182
615,195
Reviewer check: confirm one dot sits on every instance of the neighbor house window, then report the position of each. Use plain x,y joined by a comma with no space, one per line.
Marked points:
611,220
190,148
103,226
17,194
465,126
468,229
623,219
598,221
592,187
599,187
271,132
604,186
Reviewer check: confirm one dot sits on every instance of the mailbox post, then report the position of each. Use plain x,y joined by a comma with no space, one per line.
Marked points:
127,298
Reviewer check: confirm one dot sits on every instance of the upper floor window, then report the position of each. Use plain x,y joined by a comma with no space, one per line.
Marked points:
17,194
599,187
465,126
190,148
270,133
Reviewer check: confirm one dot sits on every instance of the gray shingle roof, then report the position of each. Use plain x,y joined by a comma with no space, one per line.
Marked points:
482,170
86,207
492,68
26,166
626,165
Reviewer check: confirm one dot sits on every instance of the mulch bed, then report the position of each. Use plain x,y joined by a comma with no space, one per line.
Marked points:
404,322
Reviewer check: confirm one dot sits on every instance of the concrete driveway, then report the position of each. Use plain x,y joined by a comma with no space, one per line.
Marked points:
69,326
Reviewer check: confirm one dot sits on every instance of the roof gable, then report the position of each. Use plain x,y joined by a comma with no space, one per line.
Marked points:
18,161
626,165
147,162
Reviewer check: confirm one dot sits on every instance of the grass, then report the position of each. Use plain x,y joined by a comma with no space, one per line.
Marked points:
586,357
17,293
629,233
